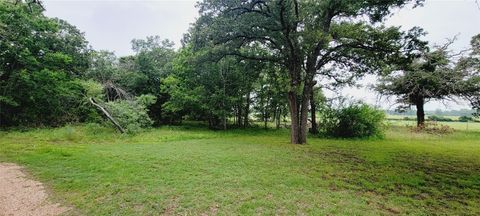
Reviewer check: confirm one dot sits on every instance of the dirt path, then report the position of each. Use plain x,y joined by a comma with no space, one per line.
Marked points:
22,196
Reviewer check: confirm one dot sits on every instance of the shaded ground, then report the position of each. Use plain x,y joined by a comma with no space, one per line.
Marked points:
22,196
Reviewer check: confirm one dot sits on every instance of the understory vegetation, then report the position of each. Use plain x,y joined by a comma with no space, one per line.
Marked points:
359,120
190,169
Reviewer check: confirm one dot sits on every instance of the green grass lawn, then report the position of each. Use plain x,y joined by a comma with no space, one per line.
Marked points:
193,171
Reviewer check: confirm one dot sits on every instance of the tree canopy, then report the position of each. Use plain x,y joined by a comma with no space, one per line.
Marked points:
40,59
431,76
308,38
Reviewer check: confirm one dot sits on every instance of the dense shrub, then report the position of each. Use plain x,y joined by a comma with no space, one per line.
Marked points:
439,118
465,119
132,114
408,119
358,120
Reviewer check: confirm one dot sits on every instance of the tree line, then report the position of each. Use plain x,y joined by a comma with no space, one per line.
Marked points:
268,60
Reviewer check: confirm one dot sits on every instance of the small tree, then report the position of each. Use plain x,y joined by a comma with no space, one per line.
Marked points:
431,76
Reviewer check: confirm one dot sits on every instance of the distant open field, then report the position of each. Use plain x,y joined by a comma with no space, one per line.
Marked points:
398,120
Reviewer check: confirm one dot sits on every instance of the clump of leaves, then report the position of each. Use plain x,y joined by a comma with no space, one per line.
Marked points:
432,128
353,121
132,115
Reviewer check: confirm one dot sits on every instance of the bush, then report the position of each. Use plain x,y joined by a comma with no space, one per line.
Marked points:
132,115
465,119
358,120
439,118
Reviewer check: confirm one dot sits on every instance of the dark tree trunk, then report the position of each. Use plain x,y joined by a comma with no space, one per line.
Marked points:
313,114
246,112
224,122
294,116
420,112
298,103
238,115
299,116
265,122
304,113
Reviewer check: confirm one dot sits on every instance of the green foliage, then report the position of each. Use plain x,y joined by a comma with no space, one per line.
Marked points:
204,88
465,119
51,99
339,41
439,118
40,61
471,64
91,88
142,73
433,75
359,120
132,115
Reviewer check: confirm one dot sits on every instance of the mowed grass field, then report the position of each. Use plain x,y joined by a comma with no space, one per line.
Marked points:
194,171
398,120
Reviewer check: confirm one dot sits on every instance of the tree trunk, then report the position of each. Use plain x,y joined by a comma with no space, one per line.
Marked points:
246,112
294,117
278,117
239,115
304,113
313,114
265,122
420,112
107,114
299,118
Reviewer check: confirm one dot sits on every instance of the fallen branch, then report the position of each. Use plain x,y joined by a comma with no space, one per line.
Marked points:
108,115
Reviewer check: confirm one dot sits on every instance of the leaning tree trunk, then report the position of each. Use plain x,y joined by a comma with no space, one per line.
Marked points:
420,112
107,114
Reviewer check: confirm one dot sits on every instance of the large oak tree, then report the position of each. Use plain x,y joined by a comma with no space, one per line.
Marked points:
330,38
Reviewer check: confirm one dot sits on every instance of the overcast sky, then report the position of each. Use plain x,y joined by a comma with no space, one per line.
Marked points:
111,25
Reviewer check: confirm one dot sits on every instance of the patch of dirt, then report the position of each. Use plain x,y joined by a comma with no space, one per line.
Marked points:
22,196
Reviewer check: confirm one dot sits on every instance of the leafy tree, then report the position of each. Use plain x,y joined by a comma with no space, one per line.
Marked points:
432,76
471,65
104,69
269,95
40,59
305,37
317,102
152,63
215,91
